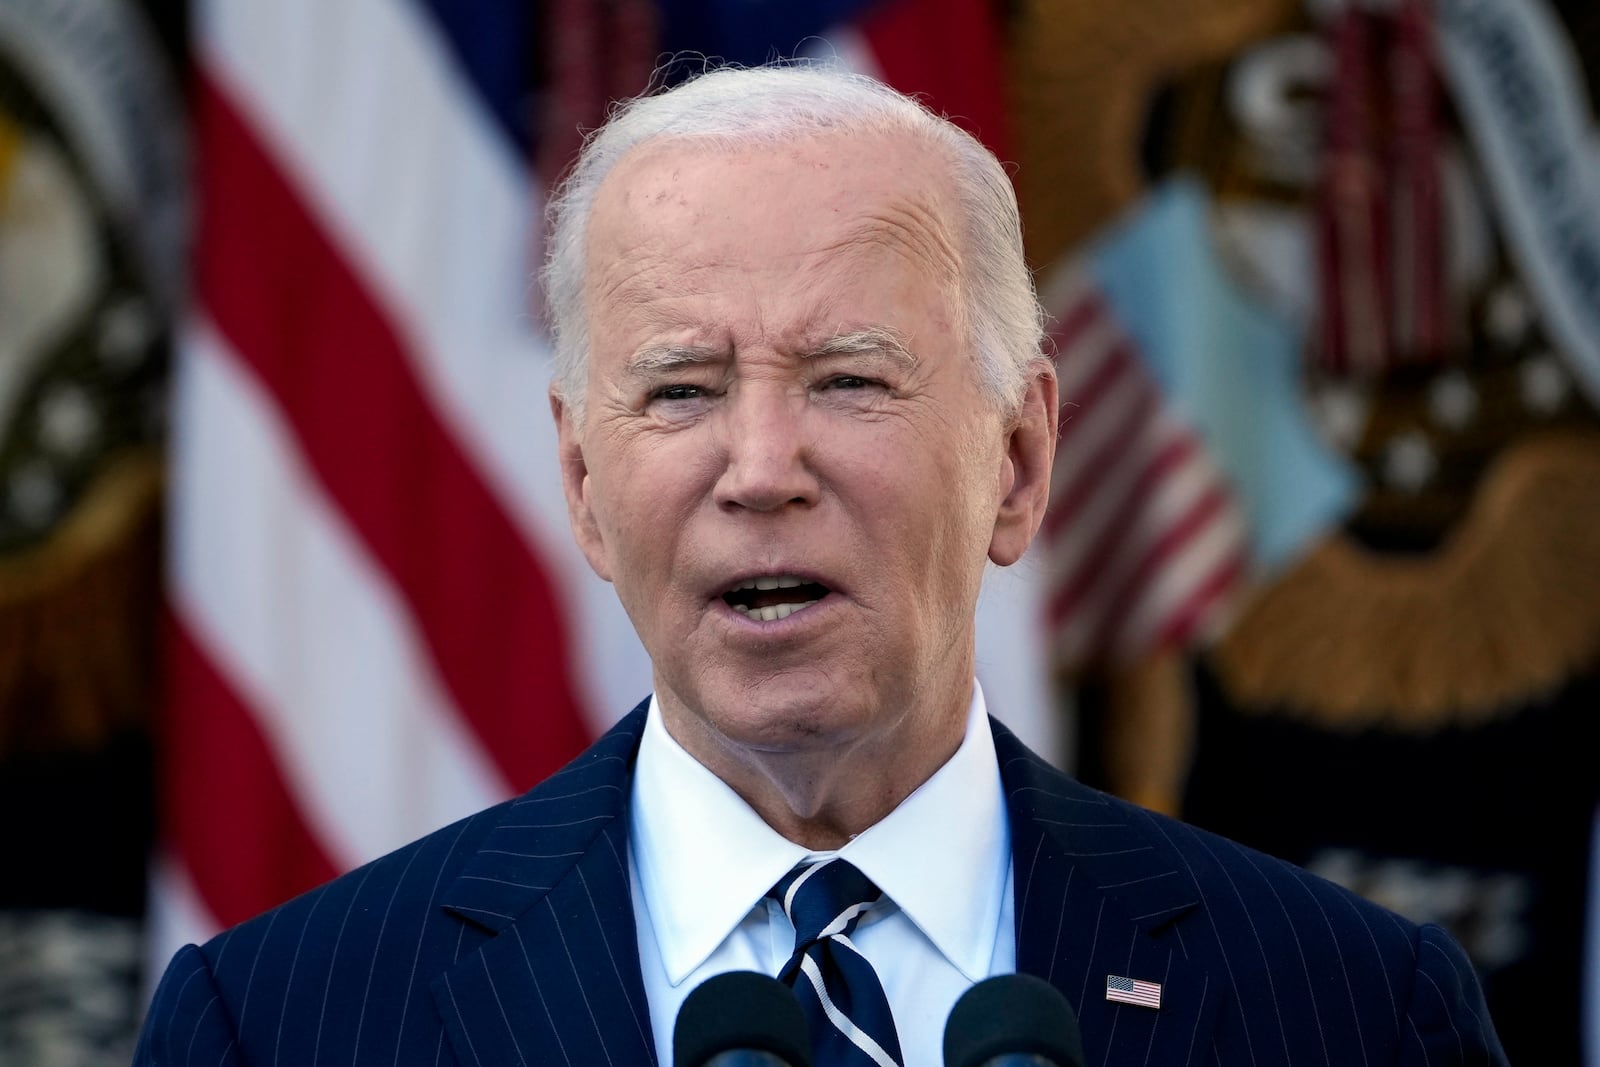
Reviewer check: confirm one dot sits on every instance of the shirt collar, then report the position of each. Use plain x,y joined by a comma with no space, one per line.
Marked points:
705,858
943,855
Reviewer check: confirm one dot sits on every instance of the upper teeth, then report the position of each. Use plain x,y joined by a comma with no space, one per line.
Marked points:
772,612
781,581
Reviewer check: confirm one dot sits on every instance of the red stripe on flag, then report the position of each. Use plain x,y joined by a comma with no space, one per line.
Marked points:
297,314
1091,472
1180,625
233,820
1115,365
1100,579
1128,593
1133,495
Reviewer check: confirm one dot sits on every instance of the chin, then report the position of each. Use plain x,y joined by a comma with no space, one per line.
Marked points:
788,720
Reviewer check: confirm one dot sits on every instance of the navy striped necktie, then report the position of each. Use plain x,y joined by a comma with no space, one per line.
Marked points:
839,991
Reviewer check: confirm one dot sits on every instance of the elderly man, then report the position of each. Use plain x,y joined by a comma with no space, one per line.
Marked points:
802,406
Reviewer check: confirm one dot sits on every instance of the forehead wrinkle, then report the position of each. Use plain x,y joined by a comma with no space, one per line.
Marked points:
908,227
636,278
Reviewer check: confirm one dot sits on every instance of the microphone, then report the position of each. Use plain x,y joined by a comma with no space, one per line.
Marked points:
741,1019
1012,1020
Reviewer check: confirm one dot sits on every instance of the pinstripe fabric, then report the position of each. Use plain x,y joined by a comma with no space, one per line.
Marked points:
1260,962
504,939
508,938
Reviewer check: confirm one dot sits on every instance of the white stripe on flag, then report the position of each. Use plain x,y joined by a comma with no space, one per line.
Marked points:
1204,554
1164,504
376,756
1094,343
175,917
847,47
376,163
1098,423
1110,494
1104,473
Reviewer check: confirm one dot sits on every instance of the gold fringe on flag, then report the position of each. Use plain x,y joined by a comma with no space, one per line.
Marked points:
1507,609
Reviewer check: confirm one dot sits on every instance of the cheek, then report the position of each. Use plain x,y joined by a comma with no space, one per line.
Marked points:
633,524
642,500
948,510
921,514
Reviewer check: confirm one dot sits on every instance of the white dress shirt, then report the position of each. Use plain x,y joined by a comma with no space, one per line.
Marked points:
701,862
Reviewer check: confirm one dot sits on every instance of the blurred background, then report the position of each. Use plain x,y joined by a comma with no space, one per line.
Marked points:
285,579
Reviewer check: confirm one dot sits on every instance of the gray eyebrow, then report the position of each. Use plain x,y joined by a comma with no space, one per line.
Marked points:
870,339
654,359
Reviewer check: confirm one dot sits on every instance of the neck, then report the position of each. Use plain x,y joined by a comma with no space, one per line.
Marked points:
822,795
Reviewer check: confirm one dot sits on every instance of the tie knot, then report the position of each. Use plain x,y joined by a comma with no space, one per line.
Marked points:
824,899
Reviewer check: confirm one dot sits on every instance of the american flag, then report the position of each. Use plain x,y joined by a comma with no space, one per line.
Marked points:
1144,546
1133,991
378,620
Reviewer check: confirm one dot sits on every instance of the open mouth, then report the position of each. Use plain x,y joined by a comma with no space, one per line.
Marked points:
773,597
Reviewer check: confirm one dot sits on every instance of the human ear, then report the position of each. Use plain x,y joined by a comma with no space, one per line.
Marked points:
1030,452
575,485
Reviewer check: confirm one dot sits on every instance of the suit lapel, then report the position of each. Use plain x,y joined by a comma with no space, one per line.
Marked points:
558,981
1098,894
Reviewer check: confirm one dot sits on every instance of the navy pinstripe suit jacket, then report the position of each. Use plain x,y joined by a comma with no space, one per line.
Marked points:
509,938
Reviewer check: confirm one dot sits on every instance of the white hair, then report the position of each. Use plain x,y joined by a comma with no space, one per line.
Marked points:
732,107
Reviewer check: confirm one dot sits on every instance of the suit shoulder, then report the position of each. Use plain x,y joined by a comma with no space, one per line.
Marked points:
1323,948
1223,867
412,876
1238,885
345,956
348,965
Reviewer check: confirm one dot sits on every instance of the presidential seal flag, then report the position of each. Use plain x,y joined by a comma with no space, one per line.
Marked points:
92,211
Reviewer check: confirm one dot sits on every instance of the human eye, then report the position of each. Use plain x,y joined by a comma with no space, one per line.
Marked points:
851,392
679,401
677,391
851,381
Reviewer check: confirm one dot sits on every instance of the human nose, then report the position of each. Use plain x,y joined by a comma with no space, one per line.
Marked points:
767,454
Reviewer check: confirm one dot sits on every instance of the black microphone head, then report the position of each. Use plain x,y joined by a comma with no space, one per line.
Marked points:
744,1011
1012,1014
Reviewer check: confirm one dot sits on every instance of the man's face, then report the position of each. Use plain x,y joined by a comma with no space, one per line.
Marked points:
787,466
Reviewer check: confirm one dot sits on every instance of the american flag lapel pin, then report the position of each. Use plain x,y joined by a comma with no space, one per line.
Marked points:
1133,991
